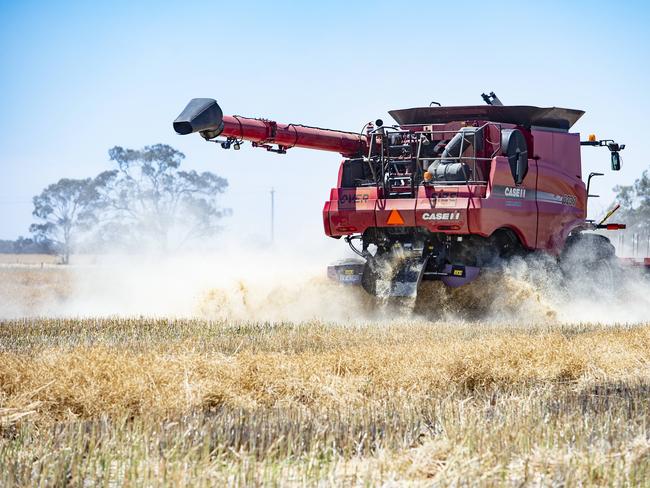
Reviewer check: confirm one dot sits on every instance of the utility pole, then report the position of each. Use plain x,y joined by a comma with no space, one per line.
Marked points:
272,214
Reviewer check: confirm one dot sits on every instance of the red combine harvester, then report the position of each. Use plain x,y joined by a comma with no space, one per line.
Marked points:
444,192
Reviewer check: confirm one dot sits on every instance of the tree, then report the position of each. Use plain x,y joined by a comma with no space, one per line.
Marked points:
635,203
148,198
66,209
24,245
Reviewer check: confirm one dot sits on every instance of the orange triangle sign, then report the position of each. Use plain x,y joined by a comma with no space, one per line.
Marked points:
395,218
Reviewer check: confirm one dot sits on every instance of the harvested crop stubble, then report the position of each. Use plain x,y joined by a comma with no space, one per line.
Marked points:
89,374
149,402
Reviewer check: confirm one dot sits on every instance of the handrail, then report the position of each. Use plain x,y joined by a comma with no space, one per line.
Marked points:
378,152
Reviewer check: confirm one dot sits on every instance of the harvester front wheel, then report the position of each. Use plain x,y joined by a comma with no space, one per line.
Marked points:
589,263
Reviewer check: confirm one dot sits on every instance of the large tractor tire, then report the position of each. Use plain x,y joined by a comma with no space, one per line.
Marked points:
589,264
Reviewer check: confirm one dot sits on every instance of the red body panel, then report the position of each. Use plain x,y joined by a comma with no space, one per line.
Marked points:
507,206
444,208
351,210
542,211
561,193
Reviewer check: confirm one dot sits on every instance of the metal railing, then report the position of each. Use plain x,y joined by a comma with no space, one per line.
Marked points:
389,165
477,130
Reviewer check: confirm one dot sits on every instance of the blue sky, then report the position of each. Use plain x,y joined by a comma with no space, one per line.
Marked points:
77,78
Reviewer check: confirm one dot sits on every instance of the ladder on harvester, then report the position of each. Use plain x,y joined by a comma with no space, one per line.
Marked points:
400,181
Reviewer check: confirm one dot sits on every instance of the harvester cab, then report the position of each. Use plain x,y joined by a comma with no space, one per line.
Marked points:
440,194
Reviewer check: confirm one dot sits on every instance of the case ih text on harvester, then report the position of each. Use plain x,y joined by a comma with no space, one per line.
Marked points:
444,192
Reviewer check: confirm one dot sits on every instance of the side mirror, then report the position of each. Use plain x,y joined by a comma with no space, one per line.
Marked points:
616,161
514,147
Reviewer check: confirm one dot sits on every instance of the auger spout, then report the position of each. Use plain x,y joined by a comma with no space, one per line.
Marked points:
204,115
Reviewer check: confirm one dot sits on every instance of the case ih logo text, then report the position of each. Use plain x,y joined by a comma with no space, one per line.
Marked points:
515,192
441,216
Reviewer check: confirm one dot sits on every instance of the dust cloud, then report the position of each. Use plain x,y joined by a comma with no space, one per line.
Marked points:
535,289
257,284
272,285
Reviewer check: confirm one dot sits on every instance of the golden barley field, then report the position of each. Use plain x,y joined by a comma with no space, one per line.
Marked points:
407,401
197,403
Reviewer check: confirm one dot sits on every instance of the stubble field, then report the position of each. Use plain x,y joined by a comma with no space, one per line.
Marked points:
206,402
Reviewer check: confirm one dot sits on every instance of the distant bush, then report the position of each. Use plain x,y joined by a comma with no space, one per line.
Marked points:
24,245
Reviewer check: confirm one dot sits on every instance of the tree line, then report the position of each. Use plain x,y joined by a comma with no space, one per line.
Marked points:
144,201
24,245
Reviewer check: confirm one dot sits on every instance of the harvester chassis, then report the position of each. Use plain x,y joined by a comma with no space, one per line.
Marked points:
444,192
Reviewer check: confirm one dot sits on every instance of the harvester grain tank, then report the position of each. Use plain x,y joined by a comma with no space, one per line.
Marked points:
443,192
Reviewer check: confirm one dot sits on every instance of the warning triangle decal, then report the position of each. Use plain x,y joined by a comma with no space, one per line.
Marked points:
395,218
